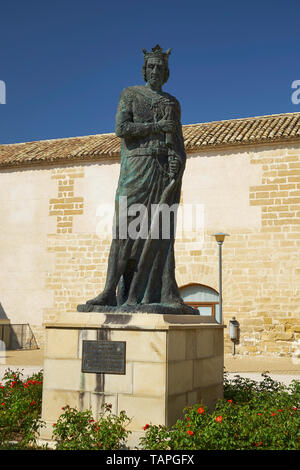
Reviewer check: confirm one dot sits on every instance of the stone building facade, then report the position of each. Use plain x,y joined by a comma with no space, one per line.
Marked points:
243,177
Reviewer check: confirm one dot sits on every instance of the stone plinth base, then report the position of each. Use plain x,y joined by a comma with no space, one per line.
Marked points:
160,309
171,361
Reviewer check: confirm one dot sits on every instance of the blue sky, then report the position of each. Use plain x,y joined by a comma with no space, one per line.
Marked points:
66,62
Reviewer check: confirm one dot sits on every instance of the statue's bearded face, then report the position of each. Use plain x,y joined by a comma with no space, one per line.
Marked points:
155,72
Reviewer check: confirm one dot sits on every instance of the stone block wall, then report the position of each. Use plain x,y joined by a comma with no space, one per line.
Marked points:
54,251
261,275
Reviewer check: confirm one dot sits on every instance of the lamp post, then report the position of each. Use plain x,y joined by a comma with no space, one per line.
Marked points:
220,237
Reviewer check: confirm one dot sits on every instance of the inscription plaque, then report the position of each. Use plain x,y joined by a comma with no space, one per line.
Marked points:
103,357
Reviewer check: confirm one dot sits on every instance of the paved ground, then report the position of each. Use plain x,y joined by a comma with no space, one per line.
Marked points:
28,362
281,369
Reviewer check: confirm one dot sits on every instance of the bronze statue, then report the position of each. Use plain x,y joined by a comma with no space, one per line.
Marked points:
141,270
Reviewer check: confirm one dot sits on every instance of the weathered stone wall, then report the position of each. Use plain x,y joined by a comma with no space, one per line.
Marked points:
261,275
55,239
24,259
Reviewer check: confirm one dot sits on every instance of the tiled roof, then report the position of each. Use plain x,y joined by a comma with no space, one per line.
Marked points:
197,137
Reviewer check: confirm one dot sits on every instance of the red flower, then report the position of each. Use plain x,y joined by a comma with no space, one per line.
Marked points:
279,410
3,404
230,401
219,419
91,420
190,433
54,424
188,418
200,411
259,444
273,414
259,414
33,403
146,427
31,382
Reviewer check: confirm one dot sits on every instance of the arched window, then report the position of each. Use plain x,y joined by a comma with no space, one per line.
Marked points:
204,298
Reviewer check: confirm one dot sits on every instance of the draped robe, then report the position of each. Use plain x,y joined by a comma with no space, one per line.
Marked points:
145,268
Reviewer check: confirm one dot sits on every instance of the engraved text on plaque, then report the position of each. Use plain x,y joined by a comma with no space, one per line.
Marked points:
104,357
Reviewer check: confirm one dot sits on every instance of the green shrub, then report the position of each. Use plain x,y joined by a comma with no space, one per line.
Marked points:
78,430
252,415
20,408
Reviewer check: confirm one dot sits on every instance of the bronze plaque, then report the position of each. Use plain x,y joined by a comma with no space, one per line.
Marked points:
103,357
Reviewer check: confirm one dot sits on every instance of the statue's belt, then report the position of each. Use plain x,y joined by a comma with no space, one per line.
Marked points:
144,151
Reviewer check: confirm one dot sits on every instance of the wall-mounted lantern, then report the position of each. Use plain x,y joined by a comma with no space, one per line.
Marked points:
234,332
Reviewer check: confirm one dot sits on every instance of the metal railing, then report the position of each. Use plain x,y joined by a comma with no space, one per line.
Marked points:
17,336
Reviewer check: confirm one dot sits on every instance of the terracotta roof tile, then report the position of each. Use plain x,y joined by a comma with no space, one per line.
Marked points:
197,137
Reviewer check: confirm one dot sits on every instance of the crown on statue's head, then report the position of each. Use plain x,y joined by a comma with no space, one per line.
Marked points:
158,53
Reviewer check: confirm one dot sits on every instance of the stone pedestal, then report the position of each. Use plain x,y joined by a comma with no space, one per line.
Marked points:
171,361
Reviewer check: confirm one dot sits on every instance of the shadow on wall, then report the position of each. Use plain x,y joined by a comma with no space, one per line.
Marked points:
3,315
15,336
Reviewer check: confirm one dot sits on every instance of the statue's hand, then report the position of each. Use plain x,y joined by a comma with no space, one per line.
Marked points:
174,165
167,126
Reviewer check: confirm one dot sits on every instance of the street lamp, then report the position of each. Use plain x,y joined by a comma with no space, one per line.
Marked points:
220,237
